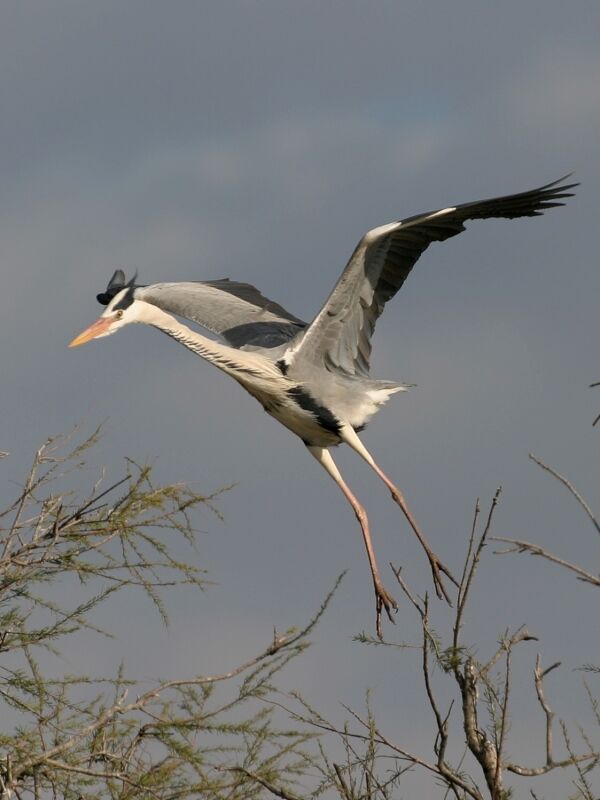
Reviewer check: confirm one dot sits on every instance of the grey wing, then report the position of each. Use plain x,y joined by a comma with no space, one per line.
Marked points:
340,335
236,311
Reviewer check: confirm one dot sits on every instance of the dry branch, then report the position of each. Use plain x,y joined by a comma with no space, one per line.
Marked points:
111,732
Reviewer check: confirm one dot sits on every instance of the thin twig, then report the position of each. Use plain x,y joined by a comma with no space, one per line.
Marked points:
469,571
503,719
583,785
520,546
570,487
539,675
520,635
343,786
550,765
597,383
277,791
120,708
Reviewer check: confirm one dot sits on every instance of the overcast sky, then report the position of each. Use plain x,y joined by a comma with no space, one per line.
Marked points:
258,141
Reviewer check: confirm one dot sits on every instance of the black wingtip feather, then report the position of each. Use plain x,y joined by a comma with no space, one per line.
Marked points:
531,203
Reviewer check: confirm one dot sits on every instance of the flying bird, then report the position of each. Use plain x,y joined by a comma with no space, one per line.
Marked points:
314,378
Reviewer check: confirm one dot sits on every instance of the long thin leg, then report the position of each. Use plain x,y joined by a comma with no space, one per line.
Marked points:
383,598
349,435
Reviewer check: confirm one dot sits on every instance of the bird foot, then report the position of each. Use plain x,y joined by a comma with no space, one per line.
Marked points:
384,600
437,570
437,567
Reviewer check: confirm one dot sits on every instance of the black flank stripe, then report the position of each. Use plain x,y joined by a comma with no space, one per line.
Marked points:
323,415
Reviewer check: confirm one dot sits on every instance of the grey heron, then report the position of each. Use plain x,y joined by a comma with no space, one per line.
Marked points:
314,378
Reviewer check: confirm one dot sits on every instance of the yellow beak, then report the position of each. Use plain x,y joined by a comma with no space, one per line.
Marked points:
99,327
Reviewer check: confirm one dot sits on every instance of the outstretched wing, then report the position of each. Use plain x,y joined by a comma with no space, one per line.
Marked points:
340,335
236,311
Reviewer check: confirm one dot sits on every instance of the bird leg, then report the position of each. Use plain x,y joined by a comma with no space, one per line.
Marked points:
437,567
383,598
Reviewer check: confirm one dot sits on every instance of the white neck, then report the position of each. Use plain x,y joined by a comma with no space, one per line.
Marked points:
240,364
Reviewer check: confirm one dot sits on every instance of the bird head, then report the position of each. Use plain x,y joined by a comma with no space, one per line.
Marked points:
122,308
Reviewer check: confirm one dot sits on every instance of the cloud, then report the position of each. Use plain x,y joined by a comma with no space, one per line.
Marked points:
194,143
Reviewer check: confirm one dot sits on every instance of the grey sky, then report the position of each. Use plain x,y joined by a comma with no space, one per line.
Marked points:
258,141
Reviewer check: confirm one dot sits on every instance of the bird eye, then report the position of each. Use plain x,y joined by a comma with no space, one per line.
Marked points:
119,313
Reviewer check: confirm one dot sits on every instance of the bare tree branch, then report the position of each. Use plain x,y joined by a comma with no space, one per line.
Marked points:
535,550
597,383
116,535
270,787
571,489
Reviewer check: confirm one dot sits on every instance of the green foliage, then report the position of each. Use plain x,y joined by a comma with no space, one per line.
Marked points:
233,735
83,737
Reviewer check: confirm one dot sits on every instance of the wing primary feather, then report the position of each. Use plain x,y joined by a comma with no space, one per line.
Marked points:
382,261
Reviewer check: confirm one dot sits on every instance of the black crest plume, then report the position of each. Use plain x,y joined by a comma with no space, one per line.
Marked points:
115,285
